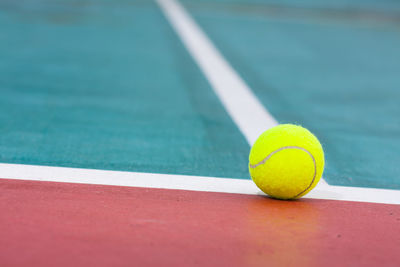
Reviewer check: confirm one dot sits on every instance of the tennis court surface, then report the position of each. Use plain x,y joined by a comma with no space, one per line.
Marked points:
126,126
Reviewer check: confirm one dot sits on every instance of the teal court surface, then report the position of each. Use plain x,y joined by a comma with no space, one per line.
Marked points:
125,130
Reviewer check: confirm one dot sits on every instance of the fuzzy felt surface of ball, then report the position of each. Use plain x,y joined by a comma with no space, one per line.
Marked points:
286,161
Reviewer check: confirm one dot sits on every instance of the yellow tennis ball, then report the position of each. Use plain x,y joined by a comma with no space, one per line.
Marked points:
286,161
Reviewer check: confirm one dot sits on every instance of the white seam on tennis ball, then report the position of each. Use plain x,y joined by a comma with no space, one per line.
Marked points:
290,147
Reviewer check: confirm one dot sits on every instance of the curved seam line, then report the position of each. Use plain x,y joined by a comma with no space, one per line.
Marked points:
290,147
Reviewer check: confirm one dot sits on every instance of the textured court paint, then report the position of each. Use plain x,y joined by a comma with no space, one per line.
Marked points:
108,86
338,77
57,224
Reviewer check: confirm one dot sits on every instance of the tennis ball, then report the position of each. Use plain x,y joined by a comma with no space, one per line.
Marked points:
286,161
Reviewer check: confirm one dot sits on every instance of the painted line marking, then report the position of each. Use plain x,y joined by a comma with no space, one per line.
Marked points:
183,182
242,105
121,178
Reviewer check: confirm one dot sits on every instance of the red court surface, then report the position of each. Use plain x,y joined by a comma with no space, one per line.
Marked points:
61,224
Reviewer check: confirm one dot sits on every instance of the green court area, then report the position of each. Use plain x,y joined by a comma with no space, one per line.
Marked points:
332,67
108,85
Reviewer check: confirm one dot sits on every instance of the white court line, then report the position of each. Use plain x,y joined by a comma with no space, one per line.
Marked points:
244,108
121,178
183,182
